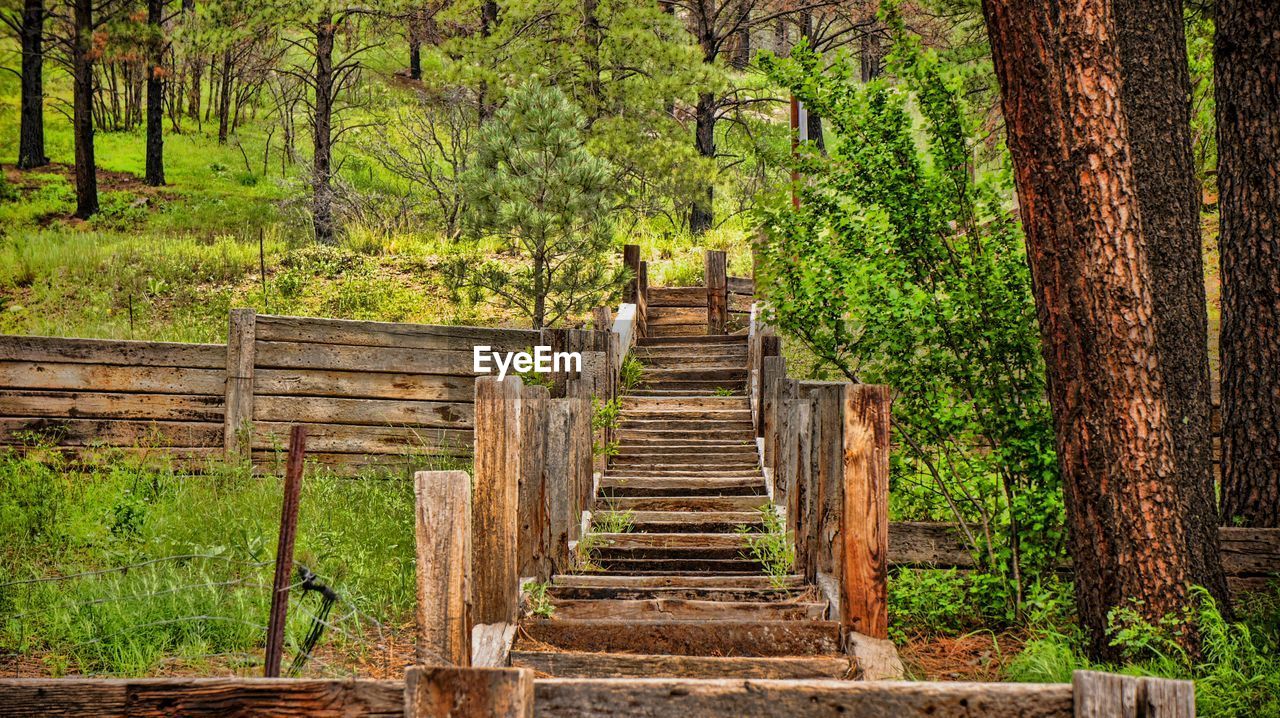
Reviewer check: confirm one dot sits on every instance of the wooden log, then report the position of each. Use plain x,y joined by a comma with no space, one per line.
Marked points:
442,531
495,579
733,697
390,334
100,377
241,359
362,385
343,357
111,432
60,350
441,692
715,266
534,540
110,405
201,697
631,260
1109,695
864,513
365,412
557,478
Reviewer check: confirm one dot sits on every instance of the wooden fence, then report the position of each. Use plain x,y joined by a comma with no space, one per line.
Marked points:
440,691
368,392
722,304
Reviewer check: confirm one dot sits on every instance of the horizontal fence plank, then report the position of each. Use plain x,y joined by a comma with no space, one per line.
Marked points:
677,297
730,698
363,385
388,334
1250,552
351,439
112,432
368,412
303,355
663,316
112,351
198,697
101,377
438,458
741,285
105,405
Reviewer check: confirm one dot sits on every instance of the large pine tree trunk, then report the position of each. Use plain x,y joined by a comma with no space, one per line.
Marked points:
31,129
1060,77
1247,71
702,213
322,126
82,108
155,95
1157,101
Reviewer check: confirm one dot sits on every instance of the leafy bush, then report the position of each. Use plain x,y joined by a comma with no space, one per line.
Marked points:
902,266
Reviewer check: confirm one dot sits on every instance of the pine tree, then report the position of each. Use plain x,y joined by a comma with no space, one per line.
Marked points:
535,185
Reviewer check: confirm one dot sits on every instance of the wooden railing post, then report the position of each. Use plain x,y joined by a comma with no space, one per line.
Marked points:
534,541
864,510
442,692
631,259
237,424
557,478
774,372
443,547
642,301
581,458
495,578
715,275
770,346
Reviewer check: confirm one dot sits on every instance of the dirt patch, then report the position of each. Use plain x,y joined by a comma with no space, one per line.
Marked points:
973,657
108,180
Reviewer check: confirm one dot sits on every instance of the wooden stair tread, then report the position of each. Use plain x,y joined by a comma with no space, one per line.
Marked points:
678,609
688,593
599,580
576,664
688,638
691,502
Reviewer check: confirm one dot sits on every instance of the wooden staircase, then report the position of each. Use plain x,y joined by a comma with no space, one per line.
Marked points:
667,584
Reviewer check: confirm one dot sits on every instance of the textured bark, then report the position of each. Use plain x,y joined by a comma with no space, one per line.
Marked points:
31,131
224,98
82,108
1156,97
1060,78
155,96
702,214
870,52
322,131
1247,62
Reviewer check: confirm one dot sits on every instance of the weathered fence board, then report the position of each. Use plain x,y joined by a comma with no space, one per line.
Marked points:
364,385
111,351
442,692
387,334
106,377
442,531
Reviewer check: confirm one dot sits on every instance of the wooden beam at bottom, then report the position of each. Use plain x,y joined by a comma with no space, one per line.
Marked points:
439,692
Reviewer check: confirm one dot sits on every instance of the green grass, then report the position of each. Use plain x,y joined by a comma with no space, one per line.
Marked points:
209,607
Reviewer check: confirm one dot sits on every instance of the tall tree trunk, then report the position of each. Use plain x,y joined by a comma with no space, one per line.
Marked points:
870,51
31,130
1247,72
742,36
415,57
1157,101
155,95
321,189
813,123
488,18
591,33
702,213
1060,76
224,98
82,108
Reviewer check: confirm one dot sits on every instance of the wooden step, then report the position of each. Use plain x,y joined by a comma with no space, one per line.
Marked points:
669,609
705,339
628,434
691,521
674,403
688,638
675,486
701,502
736,414
672,361
725,387
663,566
672,540
600,580
657,453
574,664
627,468
709,393
687,593
711,374
677,297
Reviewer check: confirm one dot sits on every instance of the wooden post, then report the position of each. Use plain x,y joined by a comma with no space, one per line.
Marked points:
1109,695
495,579
828,485
631,259
534,540
284,553
783,462
557,477
864,514
441,692
715,274
642,301
443,548
237,423
581,459
800,500
774,373
770,346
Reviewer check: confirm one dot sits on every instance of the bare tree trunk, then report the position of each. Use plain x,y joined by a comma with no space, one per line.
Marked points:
592,33
702,213
224,98
488,18
1060,76
1247,71
31,131
155,95
871,51
82,108
321,189
742,38
1157,101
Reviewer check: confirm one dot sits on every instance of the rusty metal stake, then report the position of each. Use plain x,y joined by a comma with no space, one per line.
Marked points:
284,552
